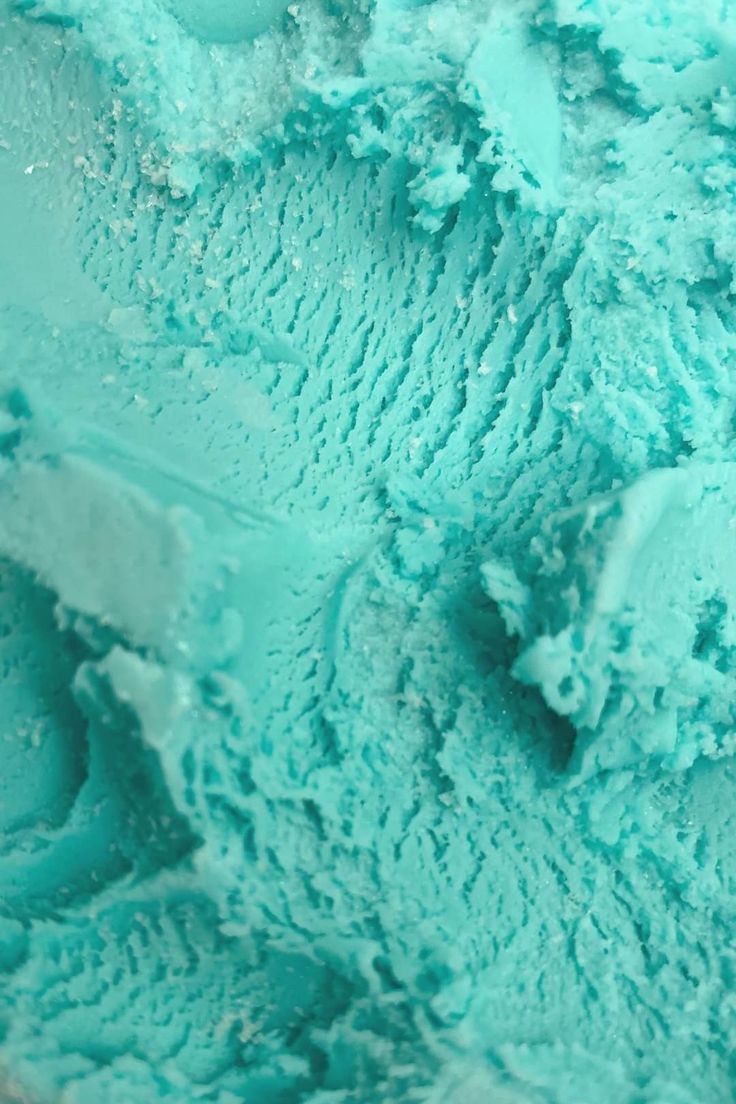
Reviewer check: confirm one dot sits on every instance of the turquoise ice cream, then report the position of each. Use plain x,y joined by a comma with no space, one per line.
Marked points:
367,531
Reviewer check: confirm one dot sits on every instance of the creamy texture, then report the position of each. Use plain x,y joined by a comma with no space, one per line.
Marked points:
367,521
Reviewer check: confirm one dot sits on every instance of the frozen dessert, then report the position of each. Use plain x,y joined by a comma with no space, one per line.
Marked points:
367,544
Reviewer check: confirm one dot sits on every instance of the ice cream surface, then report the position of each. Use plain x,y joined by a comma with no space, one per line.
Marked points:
367,544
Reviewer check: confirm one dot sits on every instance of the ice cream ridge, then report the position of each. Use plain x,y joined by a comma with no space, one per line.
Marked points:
367,551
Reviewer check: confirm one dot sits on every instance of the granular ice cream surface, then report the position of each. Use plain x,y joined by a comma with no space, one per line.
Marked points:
367,544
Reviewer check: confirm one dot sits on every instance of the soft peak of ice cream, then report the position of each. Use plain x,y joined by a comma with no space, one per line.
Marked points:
628,621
